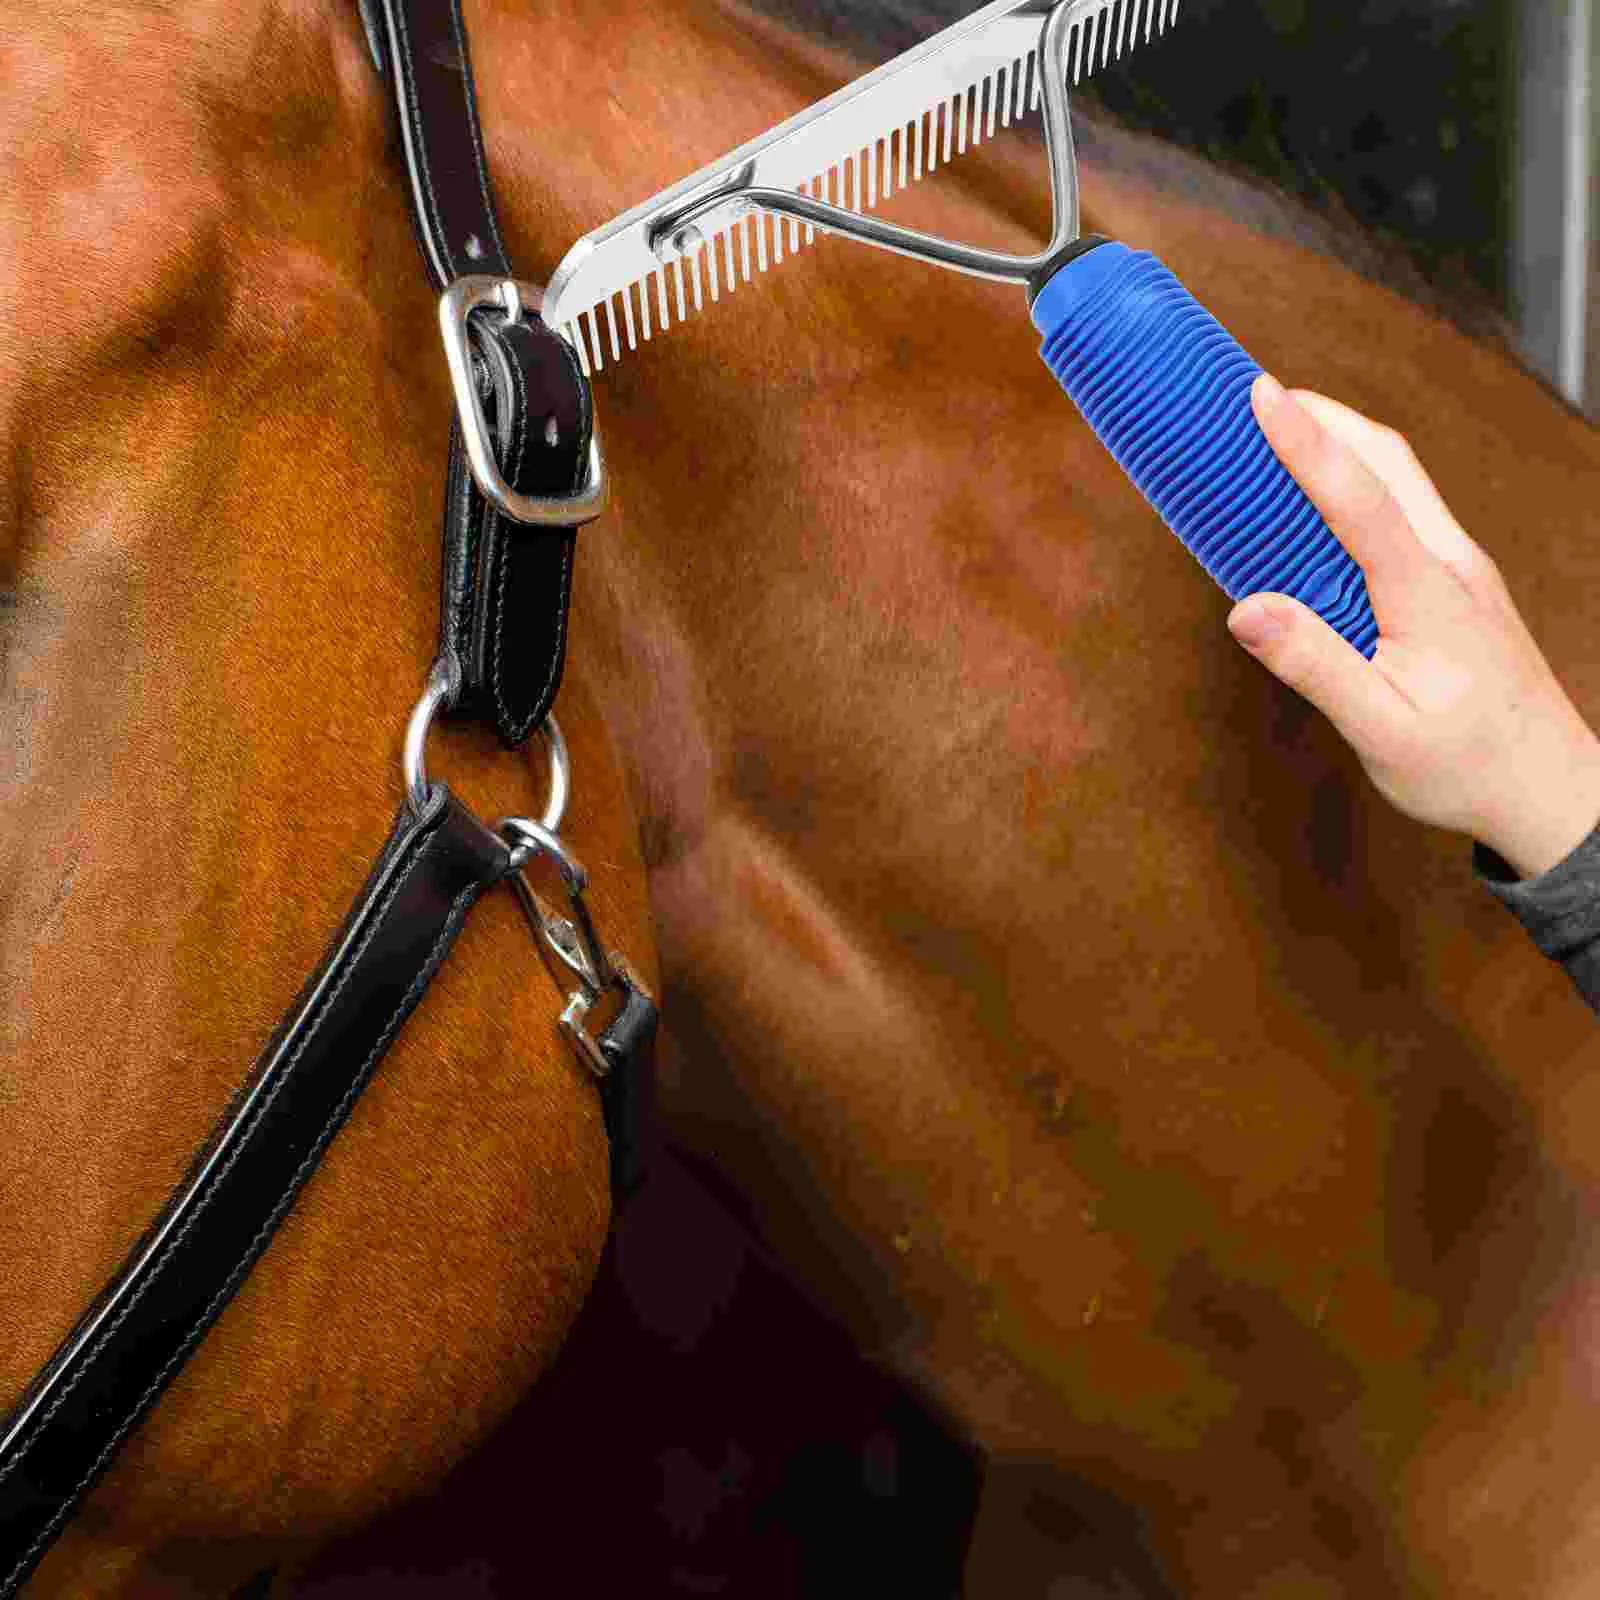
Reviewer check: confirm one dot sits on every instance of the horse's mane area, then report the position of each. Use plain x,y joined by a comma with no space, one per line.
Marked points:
876,31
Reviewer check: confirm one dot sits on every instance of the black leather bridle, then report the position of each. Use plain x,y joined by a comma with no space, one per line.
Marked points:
524,474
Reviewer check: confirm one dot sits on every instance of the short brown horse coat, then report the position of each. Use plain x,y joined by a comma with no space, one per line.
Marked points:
1084,1027
1110,1056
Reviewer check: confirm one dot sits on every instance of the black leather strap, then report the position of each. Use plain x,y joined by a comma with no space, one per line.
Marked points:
125,1349
503,611
627,1092
424,45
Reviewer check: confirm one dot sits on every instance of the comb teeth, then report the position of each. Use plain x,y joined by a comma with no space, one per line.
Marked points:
858,181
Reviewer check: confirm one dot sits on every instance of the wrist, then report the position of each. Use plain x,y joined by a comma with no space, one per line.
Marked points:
1557,808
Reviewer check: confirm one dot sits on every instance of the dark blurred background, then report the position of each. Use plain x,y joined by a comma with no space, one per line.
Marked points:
1398,110
1463,132
1466,132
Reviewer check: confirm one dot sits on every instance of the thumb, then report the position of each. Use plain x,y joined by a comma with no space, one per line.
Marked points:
1301,650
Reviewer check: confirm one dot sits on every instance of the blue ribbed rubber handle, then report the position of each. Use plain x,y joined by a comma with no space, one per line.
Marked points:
1166,389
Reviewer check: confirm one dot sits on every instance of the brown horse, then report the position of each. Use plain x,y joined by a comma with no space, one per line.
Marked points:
1096,1043
1072,1012
216,414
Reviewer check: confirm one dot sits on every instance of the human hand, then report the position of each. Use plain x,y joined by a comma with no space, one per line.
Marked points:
1457,719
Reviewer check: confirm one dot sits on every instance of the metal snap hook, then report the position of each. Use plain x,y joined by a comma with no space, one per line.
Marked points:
572,940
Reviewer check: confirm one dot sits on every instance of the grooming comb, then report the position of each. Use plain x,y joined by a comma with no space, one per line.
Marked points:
1163,385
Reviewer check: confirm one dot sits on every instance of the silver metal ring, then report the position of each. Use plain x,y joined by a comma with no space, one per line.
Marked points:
434,692
413,763
555,806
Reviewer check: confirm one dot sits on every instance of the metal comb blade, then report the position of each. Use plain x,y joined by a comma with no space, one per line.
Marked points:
869,140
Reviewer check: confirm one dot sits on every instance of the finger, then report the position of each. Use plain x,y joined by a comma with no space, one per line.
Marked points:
1389,456
1363,514
1301,650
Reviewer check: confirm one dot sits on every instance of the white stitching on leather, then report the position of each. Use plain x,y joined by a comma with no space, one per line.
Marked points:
330,1127
458,27
419,144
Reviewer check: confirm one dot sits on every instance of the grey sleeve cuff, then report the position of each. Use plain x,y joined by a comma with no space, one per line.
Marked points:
1560,910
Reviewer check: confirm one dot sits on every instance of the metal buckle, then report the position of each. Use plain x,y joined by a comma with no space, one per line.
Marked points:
456,305
572,941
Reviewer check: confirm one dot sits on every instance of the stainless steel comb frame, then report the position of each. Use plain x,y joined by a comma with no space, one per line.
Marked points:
678,234
985,71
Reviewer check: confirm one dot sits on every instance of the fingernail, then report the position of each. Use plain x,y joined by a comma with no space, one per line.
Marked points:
1254,626
1269,393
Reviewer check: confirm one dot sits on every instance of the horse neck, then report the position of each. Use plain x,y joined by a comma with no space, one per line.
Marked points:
587,108
585,117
